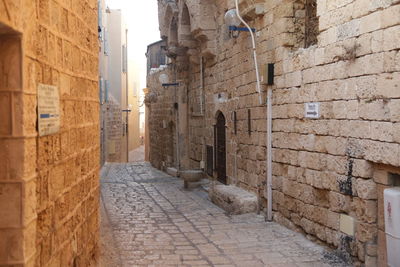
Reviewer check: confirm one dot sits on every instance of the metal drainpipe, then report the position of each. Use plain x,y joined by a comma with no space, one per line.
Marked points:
269,118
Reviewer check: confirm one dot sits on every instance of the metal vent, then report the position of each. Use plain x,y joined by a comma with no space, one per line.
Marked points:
210,160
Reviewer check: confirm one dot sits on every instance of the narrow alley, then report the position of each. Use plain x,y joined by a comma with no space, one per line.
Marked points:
155,222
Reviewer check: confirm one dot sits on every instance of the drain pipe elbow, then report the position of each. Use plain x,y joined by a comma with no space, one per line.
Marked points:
253,40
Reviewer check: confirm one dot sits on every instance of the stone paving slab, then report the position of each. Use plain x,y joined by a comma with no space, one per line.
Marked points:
156,222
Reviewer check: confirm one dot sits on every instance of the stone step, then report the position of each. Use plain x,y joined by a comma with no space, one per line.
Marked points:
233,199
172,171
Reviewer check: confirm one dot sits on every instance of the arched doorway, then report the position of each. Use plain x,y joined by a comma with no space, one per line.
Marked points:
220,144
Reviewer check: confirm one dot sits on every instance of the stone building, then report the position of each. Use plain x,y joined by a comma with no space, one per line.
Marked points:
156,55
114,86
332,68
119,86
49,160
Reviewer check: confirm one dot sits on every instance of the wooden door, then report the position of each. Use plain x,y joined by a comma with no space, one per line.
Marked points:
221,148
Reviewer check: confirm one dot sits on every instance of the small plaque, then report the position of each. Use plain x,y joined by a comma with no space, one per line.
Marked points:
48,109
312,110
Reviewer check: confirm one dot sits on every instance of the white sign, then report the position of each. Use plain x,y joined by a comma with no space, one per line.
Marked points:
48,109
312,110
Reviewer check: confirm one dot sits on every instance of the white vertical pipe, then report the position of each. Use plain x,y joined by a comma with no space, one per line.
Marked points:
269,154
269,117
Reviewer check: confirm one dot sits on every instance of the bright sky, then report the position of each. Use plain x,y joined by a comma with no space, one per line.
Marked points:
141,17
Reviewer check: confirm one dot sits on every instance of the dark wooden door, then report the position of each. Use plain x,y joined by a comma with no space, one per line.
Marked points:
221,148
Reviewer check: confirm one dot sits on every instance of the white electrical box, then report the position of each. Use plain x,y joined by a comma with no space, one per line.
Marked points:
392,225
392,211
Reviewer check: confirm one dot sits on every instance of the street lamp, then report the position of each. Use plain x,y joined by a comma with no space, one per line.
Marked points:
231,18
233,21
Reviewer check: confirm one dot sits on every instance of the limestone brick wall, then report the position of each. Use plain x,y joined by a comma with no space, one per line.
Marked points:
323,169
49,185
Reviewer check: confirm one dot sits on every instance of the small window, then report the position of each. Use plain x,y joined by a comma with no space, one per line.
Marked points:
101,90
106,44
311,23
210,160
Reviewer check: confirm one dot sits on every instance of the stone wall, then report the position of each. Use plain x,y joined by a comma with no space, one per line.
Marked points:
322,168
49,185
162,121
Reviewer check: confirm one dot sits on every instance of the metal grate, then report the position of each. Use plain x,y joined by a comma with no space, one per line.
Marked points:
210,160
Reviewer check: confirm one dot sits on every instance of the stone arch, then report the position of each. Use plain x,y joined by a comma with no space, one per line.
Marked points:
204,25
170,12
218,113
186,40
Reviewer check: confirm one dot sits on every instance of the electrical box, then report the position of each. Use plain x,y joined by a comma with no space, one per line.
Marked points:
268,74
392,225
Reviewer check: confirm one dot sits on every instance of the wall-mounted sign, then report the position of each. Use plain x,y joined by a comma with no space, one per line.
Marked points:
312,110
48,109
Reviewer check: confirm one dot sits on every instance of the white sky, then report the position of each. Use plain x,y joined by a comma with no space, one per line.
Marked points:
141,17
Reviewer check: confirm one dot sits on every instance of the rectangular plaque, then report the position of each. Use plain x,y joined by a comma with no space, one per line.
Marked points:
312,110
48,109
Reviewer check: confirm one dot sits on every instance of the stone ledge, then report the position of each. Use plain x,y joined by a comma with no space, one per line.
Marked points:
172,171
233,199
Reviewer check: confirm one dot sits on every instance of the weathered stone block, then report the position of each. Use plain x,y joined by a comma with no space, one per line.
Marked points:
11,245
371,22
362,168
5,114
10,205
339,202
366,232
366,210
366,189
390,37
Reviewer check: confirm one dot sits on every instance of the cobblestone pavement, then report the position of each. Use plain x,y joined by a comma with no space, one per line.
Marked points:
155,222
136,155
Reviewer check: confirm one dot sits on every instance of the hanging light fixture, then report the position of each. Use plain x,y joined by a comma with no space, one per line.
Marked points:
164,80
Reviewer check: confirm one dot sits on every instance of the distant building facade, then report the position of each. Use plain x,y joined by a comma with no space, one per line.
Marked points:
118,85
156,55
